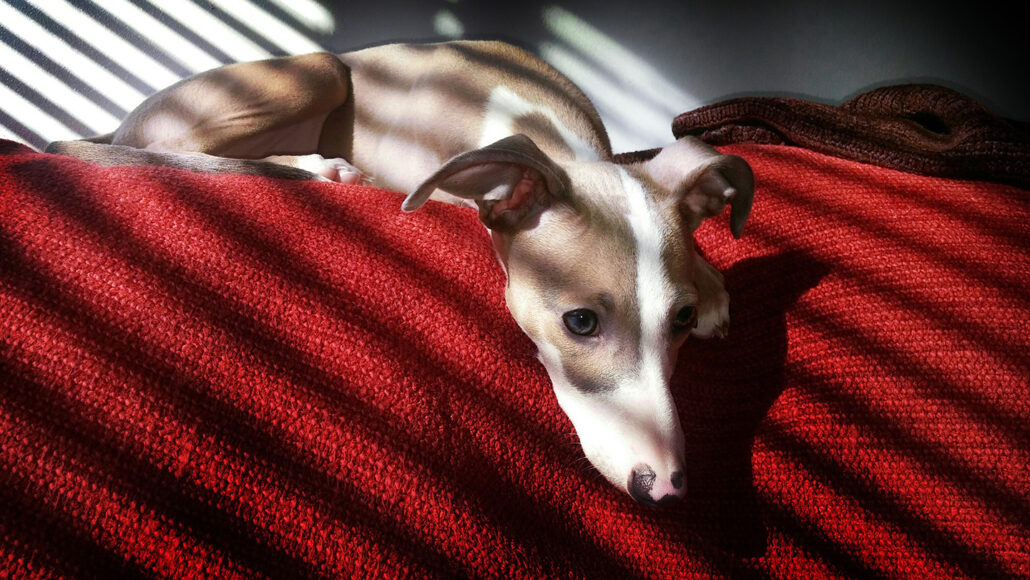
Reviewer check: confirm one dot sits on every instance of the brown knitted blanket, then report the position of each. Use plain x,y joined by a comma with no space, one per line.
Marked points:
924,129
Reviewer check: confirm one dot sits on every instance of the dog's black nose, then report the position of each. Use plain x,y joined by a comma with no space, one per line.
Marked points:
644,485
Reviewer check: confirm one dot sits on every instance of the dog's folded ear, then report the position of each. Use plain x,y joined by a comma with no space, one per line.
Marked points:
704,181
510,181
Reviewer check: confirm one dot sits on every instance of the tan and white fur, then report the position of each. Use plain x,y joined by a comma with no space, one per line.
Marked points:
601,268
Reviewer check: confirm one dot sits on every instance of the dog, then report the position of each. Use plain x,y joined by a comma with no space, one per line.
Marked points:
602,273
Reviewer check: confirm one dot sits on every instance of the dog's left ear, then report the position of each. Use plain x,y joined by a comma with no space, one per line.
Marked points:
704,181
510,181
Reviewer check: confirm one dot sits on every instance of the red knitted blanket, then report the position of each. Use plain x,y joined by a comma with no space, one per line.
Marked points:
236,376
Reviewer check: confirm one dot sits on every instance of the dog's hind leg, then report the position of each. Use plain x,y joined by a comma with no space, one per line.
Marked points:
247,110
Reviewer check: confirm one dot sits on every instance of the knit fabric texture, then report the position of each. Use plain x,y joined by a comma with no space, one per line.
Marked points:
925,129
235,377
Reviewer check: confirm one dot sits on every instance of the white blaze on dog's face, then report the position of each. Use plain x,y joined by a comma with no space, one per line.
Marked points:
604,289
602,276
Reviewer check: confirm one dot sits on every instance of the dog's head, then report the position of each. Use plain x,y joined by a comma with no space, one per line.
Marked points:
603,277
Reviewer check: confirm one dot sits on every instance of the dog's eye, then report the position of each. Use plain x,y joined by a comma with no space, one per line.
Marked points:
581,321
685,318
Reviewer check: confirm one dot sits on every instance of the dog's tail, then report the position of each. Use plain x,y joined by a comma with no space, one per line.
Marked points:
99,150
105,139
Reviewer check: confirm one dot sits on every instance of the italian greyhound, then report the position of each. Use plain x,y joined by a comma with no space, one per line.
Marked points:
602,273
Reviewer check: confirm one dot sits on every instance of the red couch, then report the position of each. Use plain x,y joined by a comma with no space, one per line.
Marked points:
215,375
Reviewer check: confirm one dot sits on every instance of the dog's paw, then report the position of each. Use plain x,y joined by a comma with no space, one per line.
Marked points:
713,316
713,309
334,169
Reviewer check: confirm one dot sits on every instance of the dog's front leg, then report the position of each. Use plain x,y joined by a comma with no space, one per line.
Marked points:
713,314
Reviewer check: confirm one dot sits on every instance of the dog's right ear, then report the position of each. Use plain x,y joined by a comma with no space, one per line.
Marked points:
510,181
705,181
